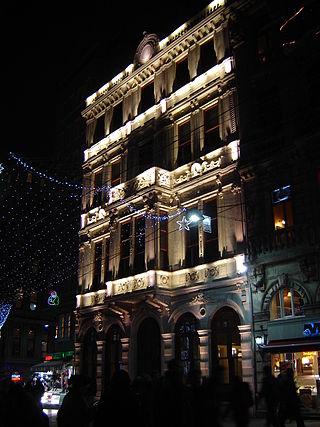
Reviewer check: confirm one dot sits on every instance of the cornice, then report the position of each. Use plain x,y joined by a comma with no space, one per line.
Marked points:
173,51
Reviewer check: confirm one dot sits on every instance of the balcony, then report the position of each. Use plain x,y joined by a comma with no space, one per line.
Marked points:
279,241
158,279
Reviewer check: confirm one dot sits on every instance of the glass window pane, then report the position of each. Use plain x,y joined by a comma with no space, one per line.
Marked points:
275,309
278,216
289,219
286,294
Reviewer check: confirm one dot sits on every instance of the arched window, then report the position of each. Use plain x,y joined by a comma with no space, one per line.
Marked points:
113,352
187,343
286,302
149,348
89,360
226,344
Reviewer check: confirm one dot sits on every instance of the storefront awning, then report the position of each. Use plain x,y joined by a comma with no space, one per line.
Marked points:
291,346
47,366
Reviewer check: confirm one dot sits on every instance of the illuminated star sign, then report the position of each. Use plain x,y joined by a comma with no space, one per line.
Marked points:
184,224
53,298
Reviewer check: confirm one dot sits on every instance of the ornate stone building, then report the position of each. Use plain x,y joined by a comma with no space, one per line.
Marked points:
163,143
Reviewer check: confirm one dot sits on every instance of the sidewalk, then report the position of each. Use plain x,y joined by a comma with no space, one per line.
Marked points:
228,422
260,422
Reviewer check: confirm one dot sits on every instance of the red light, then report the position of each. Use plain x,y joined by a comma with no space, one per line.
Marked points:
49,357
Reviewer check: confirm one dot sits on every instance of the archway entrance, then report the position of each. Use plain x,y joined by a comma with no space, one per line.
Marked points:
149,348
89,358
226,344
113,352
187,343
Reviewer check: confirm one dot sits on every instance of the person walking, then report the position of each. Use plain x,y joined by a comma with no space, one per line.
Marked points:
270,393
289,407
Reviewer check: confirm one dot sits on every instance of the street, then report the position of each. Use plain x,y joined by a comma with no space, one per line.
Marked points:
255,422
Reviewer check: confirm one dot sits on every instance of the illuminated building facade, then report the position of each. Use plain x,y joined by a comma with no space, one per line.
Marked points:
155,285
278,88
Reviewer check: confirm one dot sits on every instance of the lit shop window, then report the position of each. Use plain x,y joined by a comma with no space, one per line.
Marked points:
286,302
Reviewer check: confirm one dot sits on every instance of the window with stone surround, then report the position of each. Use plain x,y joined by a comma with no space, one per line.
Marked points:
286,303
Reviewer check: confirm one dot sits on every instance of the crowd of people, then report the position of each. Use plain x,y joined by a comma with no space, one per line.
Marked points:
171,400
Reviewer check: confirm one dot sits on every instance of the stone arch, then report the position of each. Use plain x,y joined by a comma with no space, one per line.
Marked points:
226,303
282,284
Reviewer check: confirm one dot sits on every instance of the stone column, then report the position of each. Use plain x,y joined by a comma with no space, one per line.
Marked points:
247,355
204,337
99,372
168,349
125,354
77,357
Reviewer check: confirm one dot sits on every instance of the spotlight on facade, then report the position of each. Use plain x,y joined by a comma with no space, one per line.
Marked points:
194,216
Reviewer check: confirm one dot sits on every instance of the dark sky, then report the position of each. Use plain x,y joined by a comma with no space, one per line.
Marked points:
41,45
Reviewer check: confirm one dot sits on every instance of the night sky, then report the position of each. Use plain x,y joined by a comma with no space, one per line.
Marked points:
39,217
42,44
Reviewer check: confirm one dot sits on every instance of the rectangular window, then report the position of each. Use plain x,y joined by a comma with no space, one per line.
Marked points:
68,326
164,260
211,129
263,48
61,327
31,342
282,216
192,246
44,344
99,130
115,173
125,241
182,74
147,97
97,189
184,143
107,272
16,341
139,245
117,119
211,247
145,156
97,266
208,57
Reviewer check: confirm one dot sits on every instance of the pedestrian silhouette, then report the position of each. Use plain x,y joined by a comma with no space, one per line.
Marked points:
19,408
270,393
240,402
75,410
118,405
289,405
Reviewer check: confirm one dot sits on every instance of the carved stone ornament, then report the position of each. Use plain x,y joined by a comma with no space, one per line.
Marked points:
199,299
146,49
98,321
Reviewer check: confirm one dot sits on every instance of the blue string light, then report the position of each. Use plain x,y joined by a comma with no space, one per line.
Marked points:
103,189
4,313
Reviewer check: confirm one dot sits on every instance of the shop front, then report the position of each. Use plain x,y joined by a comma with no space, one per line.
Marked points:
302,355
54,373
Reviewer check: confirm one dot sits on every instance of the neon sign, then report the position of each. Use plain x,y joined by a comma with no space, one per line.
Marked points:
311,329
53,298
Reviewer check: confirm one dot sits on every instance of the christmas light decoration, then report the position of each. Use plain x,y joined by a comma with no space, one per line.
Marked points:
4,313
53,298
184,224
